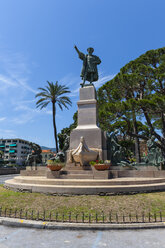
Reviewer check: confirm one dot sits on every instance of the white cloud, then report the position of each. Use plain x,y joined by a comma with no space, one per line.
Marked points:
4,80
103,79
28,113
2,119
69,80
15,89
7,133
15,71
23,119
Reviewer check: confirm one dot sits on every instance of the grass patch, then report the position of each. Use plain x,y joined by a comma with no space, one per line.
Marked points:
122,204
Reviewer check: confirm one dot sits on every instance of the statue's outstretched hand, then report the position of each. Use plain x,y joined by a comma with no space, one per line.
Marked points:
77,49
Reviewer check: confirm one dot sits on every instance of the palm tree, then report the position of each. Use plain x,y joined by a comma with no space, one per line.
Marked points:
53,93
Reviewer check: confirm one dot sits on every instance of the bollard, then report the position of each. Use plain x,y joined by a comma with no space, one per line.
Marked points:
50,216
137,218
89,219
155,217
123,218
76,218
10,212
110,217
15,213
143,220
149,217
103,216
96,218
5,212
63,217
44,215
26,213
20,214
57,216
70,216
116,218
82,217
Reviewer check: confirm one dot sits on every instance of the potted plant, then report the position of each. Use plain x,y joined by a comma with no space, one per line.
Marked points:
100,164
55,165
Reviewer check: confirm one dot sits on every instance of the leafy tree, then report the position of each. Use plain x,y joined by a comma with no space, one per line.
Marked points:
114,114
66,131
54,93
1,154
137,91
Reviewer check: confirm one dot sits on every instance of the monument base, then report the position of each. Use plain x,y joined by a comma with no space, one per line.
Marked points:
94,137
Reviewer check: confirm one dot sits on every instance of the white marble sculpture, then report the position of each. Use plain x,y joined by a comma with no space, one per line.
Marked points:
82,154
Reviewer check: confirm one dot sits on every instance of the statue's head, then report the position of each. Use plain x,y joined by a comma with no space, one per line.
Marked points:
90,50
82,139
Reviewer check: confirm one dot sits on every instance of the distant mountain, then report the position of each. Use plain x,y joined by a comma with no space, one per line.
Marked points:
48,148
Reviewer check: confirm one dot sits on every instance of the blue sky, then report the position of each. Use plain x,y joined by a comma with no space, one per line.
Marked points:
36,44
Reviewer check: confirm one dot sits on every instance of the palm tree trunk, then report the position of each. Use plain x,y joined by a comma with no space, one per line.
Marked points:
54,125
137,145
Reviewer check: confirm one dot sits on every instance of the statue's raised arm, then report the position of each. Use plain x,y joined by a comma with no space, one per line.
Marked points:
80,54
77,49
89,70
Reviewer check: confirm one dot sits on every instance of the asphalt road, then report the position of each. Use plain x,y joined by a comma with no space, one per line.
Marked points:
3,178
11,237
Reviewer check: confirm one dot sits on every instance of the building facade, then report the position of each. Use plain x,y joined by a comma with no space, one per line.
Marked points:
15,151
46,155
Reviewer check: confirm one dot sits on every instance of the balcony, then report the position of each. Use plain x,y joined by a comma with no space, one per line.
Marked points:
13,145
12,151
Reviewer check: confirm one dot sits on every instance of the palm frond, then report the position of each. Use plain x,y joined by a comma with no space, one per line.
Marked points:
53,92
42,94
41,100
43,105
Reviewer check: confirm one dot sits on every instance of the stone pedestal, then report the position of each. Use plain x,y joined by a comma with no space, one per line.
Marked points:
87,127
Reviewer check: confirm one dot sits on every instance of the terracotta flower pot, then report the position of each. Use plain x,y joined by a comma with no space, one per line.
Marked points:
102,167
53,167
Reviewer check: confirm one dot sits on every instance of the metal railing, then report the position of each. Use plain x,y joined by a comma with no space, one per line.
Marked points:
72,217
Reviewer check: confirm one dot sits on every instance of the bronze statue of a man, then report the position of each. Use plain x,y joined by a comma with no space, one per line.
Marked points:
89,70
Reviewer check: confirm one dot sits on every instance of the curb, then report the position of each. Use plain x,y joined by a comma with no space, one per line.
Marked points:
76,226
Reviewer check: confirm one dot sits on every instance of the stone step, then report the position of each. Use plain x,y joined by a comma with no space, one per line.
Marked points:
33,172
76,167
77,176
84,189
85,172
87,181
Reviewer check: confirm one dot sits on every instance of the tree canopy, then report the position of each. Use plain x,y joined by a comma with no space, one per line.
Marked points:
54,93
135,97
